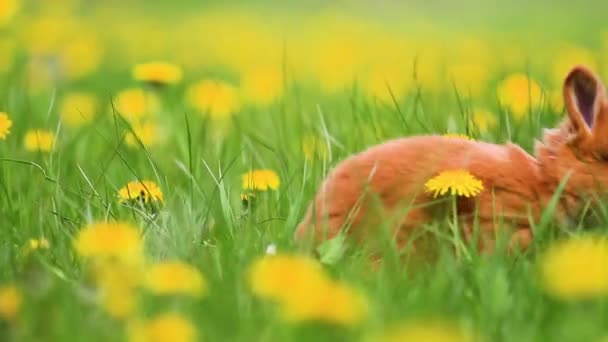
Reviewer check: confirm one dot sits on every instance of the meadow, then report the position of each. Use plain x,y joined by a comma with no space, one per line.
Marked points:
156,158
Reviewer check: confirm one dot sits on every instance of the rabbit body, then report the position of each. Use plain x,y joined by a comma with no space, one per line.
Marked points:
386,183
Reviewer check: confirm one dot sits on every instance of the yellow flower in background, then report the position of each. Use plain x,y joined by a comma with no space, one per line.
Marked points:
387,82
576,268
217,99
111,240
10,302
80,56
78,108
483,120
42,75
427,330
175,277
456,182
314,147
168,327
140,191
261,180
34,244
159,73
8,9
39,140
148,132
519,94
469,78
303,291
568,56
262,86
135,103
456,136
7,57
117,284
5,125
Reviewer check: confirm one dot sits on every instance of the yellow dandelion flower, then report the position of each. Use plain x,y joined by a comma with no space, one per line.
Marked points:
117,283
470,78
8,9
134,103
168,327
144,191
333,303
484,120
576,268
158,73
81,56
261,180
519,94
427,330
174,277
313,146
456,136
149,133
10,302
5,125
34,244
217,99
456,182
39,140
303,291
112,240
387,82
262,86
276,277
78,108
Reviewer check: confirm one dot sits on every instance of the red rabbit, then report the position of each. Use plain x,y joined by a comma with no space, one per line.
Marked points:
516,185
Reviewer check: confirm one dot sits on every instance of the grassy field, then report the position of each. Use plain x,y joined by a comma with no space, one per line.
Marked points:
190,254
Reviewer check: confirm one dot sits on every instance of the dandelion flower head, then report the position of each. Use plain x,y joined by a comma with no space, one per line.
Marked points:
174,277
159,73
262,180
456,182
145,191
5,125
111,240
10,301
39,140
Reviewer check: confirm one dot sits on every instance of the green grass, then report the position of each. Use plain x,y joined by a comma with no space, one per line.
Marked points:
203,223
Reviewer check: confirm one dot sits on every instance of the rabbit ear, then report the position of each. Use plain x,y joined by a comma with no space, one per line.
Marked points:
583,97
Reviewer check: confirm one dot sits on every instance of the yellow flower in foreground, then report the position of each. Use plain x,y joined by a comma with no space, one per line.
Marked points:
217,99
117,283
261,180
484,120
456,182
157,73
168,327
456,136
78,108
576,268
8,9
144,191
115,240
39,140
10,302
135,103
519,94
304,292
431,331
148,132
174,277
313,146
5,125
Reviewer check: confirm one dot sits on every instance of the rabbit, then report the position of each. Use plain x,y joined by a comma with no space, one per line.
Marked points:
516,185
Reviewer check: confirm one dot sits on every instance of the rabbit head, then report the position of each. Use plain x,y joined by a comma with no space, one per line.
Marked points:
579,146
